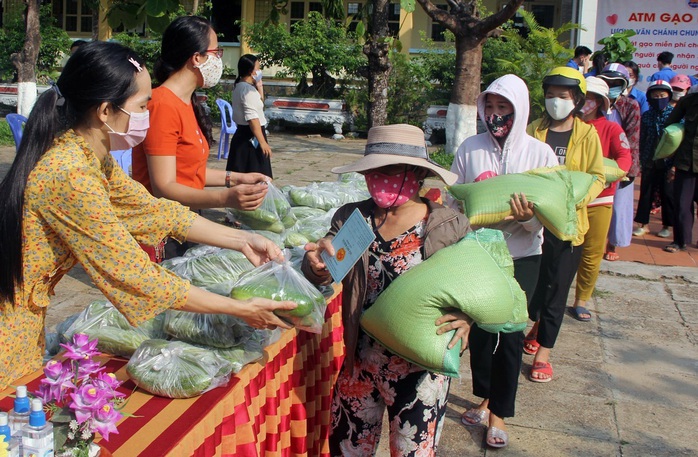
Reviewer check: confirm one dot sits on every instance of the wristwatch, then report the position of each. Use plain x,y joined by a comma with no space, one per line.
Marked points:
228,182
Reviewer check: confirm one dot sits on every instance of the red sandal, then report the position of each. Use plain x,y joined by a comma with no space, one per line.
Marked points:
530,345
545,368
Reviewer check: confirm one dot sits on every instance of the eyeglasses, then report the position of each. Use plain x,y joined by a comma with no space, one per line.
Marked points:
218,52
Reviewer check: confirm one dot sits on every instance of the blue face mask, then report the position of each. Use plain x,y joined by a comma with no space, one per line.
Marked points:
614,92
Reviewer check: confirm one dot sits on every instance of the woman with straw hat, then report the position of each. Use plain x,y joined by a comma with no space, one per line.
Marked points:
408,230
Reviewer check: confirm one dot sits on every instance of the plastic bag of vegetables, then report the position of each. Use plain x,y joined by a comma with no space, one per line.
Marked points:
175,369
215,330
270,216
216,270
280,281
115,335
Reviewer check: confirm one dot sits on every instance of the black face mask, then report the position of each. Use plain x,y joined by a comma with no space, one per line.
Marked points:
658,104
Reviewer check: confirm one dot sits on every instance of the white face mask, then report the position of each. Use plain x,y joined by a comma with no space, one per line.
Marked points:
138,124
211,71
257,76
676,96
631,83
559,108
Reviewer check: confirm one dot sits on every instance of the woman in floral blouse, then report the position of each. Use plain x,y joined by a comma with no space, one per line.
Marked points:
64,201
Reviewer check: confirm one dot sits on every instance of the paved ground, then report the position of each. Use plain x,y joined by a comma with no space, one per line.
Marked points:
625,383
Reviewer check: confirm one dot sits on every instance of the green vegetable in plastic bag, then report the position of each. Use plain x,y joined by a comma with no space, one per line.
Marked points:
269,216
215,330
215,271
175,369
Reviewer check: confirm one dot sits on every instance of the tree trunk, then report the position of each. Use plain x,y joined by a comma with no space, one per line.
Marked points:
95,23
377,49
25,60
461,119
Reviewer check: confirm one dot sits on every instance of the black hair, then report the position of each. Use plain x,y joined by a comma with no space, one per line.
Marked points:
98,72
77,44
633,66
184,37
665,57
581,51
599,61
245,66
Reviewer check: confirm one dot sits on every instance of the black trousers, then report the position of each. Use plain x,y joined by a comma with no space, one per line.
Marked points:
685,193
495,360
558,266
653,179
244,157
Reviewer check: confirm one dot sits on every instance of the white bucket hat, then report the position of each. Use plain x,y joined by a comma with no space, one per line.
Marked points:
399,144
599,87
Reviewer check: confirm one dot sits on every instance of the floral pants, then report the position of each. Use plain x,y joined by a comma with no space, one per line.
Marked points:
415,400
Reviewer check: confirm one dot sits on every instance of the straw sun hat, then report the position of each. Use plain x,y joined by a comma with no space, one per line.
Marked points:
398,144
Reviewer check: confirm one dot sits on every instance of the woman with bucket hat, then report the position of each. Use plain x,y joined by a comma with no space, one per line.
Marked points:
614,144
655,173
495,359
578,147
408,230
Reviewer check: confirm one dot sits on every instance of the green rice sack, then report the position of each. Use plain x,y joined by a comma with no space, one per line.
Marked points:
669,142
612,171
475,275
555,192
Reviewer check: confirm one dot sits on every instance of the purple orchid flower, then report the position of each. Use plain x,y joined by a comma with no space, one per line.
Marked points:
86,368
57,382
87,399
109,383
81,348
105,419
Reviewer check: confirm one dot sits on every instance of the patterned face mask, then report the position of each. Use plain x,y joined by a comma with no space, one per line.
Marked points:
590,106
211,71
389,191
499,126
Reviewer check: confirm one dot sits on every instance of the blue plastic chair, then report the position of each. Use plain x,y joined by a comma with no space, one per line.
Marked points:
16,123
228,127
123,158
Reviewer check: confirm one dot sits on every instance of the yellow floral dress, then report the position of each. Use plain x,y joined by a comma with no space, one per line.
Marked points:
79,210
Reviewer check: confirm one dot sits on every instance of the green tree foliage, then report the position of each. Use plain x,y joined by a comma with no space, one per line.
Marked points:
315,46
530,57
148,49
618,47
55,43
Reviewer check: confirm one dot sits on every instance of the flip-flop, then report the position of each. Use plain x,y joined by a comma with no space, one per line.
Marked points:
673,247
476,416
494,432
577,311
531,346
611,256
542,368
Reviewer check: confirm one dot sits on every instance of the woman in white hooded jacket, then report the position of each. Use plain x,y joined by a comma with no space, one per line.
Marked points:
504,148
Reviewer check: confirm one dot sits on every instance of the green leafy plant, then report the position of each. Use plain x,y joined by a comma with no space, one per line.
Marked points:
618,47
315,46
6,138
55,43
443,158
533,56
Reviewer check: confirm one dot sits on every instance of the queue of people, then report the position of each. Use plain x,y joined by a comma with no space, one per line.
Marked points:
65,202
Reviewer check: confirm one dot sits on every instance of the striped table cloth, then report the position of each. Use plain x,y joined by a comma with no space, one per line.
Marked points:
278,406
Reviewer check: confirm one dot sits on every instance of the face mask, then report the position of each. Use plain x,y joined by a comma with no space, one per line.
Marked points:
590,106
500,126
390,191
559,108
658,104
211,71
257,76
138,124
676,96
631,82
614,92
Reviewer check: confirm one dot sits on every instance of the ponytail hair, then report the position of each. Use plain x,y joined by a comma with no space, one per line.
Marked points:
246,66
184,37
96,73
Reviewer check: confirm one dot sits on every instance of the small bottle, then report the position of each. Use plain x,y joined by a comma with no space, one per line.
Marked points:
19,416
6,435
37,435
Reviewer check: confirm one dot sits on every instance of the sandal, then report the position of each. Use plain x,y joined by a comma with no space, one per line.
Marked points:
494,433
611,256
673,247
578,313
545,368
531,346
474,416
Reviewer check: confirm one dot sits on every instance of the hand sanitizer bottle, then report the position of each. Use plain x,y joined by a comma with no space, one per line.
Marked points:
6,435
37,435
19,416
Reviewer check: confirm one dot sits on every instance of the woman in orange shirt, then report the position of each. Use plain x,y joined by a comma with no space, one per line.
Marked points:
171,162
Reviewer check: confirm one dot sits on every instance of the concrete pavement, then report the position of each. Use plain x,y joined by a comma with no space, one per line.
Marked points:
625,383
